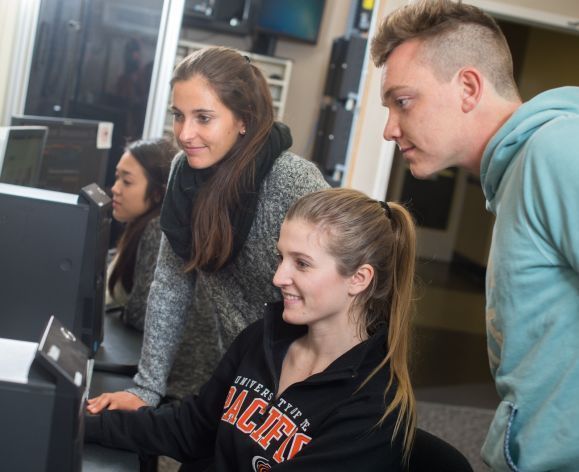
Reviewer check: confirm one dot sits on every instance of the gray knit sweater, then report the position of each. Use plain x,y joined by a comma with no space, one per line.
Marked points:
191,320
145,262
134,304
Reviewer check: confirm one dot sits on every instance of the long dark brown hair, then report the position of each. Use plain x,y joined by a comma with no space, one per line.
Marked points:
361,231
242,88
154,156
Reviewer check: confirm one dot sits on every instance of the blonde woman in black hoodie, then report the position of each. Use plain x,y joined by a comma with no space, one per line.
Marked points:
322,382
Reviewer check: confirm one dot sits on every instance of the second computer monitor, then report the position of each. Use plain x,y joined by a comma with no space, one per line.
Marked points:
76,152
21,151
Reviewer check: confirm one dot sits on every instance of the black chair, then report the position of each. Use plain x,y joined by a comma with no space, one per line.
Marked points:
432,454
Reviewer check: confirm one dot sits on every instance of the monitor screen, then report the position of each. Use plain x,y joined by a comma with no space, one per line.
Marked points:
21,149
76,152
292,19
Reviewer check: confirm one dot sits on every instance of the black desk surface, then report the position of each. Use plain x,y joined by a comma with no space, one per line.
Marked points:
121,343
121,346
102,459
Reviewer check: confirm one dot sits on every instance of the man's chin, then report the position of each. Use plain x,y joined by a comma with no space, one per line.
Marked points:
418,172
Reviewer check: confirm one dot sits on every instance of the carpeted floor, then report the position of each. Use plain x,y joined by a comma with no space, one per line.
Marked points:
464,427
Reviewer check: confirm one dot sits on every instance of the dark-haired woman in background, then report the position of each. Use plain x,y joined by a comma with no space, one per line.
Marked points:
140,183
227,196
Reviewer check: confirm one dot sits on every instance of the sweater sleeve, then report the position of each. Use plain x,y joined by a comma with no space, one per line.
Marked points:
185,430
169,302
146,261
552,193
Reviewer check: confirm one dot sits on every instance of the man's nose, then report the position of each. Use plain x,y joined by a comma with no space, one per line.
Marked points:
391,128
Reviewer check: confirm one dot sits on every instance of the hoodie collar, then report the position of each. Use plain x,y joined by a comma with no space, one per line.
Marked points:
279,335
513,135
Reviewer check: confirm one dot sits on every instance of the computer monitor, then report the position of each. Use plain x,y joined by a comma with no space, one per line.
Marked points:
76,151
296,20
53,249
21,149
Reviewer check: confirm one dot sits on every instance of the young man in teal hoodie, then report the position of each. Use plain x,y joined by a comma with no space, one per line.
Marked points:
448,84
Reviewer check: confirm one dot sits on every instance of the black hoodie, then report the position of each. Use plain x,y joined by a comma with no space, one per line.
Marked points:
237,424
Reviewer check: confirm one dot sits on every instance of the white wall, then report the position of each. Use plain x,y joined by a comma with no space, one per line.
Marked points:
17,20
9,16
370,156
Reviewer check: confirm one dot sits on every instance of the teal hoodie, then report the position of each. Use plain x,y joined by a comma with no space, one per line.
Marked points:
530,177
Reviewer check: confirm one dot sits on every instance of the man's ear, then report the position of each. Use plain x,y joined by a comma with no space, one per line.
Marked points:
471,82
361,279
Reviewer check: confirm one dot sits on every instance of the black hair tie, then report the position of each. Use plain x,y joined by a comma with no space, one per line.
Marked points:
386,209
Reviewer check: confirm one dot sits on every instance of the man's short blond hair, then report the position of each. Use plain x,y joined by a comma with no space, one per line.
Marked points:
453,35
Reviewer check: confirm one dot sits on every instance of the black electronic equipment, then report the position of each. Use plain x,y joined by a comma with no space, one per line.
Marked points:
333,134
225,16
94,268
76,151
363,16
345,68
21,150
53,249
43,390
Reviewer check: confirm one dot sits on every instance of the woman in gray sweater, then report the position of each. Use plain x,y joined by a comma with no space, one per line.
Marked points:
227,196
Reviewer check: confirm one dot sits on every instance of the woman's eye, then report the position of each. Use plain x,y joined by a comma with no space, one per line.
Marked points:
279,258
203,118
177,116
302,264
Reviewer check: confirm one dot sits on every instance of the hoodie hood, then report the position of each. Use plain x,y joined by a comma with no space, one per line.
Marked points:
512,136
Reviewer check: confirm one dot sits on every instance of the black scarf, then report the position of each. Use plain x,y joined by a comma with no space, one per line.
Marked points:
185,183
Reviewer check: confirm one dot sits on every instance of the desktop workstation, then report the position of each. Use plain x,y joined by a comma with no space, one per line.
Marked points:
43,389
53,251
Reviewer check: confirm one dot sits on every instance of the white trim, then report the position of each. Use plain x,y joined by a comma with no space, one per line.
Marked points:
169,31
533,16
369,157
386,157
21,60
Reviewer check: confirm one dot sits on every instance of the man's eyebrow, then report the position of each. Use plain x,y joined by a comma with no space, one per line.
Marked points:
391,90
